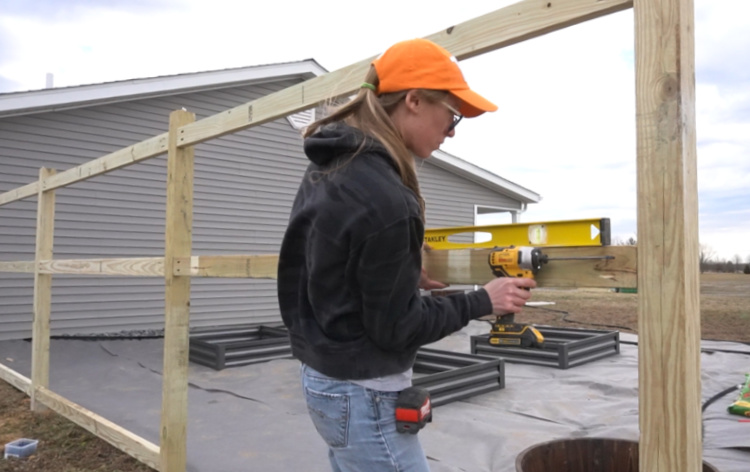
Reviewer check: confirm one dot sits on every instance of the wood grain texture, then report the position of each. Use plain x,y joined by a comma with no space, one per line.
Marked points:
521,21
471,266
518,22
21,267
147,149
42,304
178,242
28,190
141,151
263,266
668,304
19,381
132,266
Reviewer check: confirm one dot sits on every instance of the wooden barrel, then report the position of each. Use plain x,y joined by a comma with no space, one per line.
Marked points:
584,455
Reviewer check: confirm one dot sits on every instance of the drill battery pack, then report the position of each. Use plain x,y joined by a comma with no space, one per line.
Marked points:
515,334
413,410
506,332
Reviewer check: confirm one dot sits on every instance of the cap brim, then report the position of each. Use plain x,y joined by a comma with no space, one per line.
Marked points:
473,104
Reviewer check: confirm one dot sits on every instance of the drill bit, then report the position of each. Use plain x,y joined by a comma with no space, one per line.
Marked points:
547,258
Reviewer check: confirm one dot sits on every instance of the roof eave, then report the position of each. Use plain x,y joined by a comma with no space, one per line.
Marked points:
483,177
65,98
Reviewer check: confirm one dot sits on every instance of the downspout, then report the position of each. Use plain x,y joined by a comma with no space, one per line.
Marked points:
514,215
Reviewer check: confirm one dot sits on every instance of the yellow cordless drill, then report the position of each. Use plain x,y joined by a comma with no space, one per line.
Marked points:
522,261
512,261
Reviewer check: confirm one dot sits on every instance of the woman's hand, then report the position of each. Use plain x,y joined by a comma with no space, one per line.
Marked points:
426,283
508,294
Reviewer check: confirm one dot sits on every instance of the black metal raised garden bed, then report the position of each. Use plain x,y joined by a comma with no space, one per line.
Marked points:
448,376
451,376
219,348
563,347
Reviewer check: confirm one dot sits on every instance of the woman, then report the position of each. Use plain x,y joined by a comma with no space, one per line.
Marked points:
350,265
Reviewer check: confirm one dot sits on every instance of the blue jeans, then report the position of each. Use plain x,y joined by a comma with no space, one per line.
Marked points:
359,426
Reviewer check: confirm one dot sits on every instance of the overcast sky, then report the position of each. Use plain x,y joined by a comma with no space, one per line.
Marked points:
566,124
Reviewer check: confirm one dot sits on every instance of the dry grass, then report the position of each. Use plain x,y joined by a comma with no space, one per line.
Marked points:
64,447
724,299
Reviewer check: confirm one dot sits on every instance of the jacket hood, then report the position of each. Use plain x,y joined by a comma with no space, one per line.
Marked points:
337,140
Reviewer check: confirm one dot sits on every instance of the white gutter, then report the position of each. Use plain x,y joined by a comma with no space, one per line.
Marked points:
63,98
484,177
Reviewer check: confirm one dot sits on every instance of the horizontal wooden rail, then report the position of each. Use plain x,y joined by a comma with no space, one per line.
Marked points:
132,444
133,266
471,266
236,266
137,266
19,267
262,266
454,266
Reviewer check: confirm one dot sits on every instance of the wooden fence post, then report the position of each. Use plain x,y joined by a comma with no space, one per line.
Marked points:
178,242
45,227
668,276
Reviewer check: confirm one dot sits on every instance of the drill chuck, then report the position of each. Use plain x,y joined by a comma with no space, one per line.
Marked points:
512,261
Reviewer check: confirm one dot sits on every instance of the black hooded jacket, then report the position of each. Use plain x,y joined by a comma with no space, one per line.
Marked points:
350,264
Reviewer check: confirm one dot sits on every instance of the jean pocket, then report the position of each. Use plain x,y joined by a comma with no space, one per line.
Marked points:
330,415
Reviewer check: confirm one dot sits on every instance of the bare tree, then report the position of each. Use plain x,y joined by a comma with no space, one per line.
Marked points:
706,256
631,241
737,259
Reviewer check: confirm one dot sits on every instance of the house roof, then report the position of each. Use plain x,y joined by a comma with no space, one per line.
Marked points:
469,171
65,98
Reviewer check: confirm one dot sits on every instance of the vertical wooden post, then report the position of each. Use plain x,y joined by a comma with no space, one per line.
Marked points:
178,242
42,305
668,275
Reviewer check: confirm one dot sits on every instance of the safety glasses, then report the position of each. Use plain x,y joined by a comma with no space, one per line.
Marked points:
457,117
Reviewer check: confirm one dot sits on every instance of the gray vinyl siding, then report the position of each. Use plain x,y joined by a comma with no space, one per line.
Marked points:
450,199
244,188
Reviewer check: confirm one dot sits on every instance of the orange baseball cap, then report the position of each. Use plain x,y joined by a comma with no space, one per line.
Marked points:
420,63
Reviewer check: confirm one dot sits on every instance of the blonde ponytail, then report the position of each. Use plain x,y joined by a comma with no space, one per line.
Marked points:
370,113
